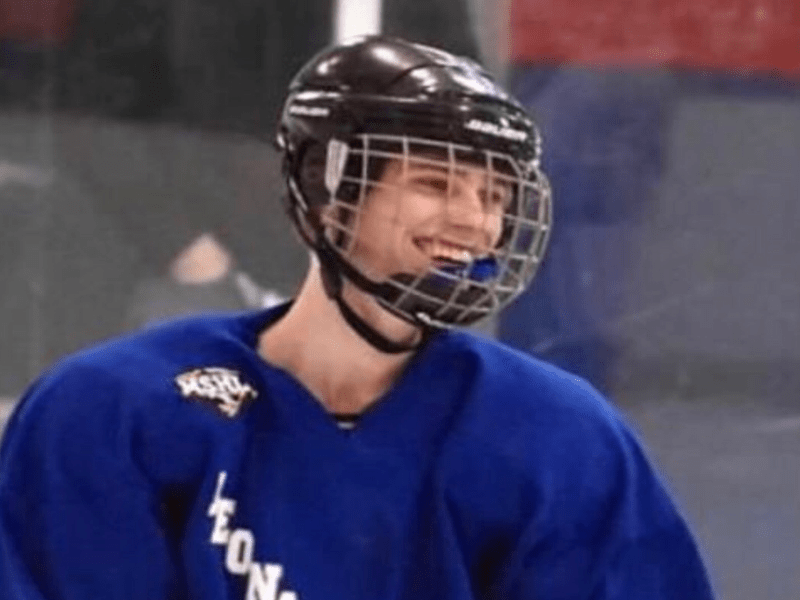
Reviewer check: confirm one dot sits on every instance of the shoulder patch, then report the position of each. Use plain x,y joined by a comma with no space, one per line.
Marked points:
221,387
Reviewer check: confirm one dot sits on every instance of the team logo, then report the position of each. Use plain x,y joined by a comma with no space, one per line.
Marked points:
219,386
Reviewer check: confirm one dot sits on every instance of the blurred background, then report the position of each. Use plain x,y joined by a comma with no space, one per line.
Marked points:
138,181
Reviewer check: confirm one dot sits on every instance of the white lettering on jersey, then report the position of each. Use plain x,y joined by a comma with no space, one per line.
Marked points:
263,582
223,387
263,579
239,556
221,509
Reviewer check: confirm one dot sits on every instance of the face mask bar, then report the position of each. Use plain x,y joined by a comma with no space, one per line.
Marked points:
443,295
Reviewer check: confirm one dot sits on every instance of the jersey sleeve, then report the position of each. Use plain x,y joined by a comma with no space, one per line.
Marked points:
78,519
612,533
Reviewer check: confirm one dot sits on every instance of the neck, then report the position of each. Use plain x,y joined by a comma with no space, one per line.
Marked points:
315,344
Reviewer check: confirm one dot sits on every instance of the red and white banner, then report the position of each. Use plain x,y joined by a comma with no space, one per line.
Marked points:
744,35
37,21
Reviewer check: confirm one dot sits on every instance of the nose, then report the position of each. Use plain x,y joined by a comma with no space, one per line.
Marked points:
465,206
467,211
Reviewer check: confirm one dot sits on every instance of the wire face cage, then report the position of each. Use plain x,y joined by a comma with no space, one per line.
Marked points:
449,234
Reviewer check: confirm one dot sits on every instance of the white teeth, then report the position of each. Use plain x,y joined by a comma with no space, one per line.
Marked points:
446,250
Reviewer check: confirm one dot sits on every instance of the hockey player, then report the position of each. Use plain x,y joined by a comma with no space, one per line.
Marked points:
351,444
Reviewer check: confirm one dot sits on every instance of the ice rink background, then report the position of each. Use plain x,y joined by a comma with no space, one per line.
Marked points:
712,339
97,194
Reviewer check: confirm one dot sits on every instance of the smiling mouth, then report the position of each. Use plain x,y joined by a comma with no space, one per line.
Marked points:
446,252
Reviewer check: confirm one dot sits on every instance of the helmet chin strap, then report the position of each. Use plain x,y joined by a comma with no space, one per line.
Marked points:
334,269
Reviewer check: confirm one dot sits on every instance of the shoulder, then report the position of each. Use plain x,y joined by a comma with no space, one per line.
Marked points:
511,391
146,361
541,430
125,394
533,445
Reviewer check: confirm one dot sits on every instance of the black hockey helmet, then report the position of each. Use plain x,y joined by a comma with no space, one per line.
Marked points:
355,105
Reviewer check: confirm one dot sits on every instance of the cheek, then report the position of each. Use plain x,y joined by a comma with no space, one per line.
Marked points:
396,215
495,228
379,226
417,208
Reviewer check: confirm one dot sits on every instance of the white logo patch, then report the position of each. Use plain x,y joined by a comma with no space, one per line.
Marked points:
218,385
496,130
263,579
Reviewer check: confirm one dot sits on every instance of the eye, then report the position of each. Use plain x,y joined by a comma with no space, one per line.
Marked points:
498,197
430,183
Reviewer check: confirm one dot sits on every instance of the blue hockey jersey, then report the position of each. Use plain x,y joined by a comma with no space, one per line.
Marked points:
176,464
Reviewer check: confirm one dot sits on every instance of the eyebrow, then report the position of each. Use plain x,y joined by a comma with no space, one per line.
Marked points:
439,167
422,168
498,179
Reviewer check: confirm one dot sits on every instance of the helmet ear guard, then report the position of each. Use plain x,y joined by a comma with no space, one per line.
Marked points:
335,162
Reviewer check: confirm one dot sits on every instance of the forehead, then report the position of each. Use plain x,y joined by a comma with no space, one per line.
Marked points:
432,152
462,164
